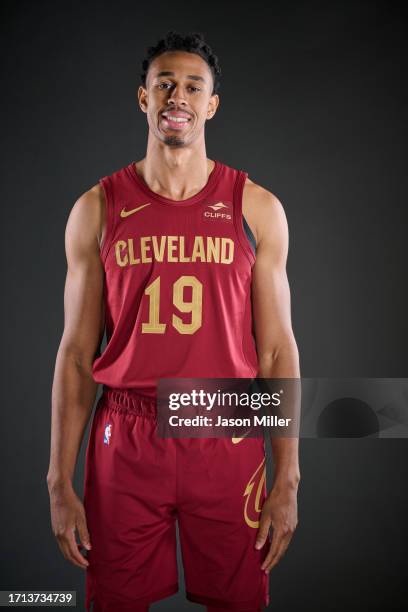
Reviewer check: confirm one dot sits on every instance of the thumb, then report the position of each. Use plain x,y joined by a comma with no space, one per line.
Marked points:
83,533
263,531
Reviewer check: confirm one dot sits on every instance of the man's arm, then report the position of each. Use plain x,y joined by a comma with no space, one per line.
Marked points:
278,358
74,390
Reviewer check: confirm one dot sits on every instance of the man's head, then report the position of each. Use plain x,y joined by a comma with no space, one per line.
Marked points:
180,81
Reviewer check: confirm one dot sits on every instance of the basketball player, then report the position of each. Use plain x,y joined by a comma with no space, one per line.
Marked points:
182,259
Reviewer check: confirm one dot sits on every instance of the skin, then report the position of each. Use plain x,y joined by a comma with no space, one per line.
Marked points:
175,166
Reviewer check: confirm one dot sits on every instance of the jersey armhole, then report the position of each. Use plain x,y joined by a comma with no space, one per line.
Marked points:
249,234
109,206
239,218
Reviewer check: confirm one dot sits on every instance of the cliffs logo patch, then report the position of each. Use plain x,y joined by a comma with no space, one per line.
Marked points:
219,210
107,434
254,494
218,206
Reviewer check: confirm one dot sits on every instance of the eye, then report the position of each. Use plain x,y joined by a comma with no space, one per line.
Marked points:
164,85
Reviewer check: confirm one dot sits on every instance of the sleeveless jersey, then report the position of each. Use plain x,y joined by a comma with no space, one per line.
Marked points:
177,284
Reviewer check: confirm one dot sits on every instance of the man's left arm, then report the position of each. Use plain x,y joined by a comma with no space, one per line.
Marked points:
278,358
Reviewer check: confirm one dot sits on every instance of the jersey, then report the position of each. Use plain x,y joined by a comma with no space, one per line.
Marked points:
177,285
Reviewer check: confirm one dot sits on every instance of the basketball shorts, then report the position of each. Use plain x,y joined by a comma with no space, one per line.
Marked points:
138,485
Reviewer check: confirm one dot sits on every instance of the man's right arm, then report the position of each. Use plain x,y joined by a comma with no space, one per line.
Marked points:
74,389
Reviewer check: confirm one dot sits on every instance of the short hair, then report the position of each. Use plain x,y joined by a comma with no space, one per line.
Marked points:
192,42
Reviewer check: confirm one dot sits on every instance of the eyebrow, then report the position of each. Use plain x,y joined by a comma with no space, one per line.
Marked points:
194,77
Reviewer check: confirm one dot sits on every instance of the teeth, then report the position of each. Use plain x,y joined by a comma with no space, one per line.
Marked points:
177,119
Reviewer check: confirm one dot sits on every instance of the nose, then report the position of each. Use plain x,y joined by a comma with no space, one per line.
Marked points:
177,96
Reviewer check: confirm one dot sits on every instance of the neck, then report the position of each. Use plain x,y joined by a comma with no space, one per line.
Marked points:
177,173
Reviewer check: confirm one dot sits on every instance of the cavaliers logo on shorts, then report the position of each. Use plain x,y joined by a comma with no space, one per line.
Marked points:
254,494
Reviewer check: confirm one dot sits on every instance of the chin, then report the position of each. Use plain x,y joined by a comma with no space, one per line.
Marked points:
174,141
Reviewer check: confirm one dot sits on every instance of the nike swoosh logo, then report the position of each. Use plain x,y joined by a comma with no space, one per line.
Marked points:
126,213
238,440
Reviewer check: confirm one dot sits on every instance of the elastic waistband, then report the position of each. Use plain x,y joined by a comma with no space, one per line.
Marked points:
129,400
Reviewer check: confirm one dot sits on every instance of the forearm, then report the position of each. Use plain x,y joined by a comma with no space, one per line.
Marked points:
73,396
283,364
286,462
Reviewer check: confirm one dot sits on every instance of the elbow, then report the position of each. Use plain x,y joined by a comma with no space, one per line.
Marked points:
285,352
271,353
81,359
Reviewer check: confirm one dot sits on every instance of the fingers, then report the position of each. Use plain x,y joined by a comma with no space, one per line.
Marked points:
83,533
279,554
70,548
263,531
279,544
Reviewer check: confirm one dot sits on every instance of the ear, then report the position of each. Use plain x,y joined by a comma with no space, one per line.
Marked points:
142,98
212,106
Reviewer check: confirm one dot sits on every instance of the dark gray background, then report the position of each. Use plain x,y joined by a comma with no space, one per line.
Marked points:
313,106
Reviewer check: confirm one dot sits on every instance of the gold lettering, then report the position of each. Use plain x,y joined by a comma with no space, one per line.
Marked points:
144,247
132,259
158,253
198,249
171,247
157,248
224,257
213,249
182,258
121,244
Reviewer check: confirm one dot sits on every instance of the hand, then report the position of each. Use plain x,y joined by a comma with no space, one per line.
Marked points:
67,515
279,512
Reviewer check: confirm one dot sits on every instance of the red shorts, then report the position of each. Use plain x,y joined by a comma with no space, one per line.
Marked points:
138,485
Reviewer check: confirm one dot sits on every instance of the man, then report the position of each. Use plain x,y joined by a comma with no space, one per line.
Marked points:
184,259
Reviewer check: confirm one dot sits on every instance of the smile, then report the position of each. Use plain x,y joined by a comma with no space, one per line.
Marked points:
174,122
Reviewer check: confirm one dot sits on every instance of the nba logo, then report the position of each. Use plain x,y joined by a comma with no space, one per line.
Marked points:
107,434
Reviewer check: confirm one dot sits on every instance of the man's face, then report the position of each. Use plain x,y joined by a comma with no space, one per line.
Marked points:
177,98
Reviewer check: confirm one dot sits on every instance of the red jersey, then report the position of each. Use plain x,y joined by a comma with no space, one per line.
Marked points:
177,285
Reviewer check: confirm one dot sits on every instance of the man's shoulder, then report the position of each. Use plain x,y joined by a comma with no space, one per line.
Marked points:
91,201
87,214
262,209
259,196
